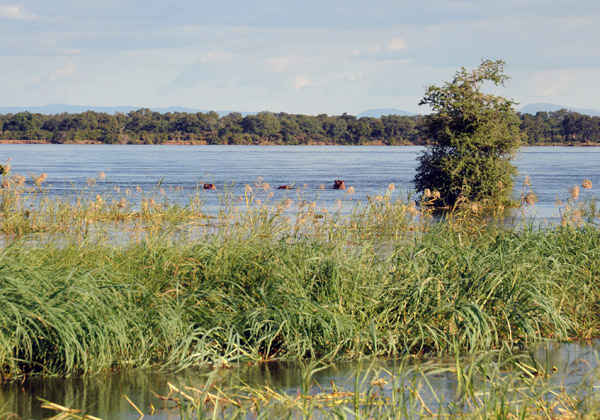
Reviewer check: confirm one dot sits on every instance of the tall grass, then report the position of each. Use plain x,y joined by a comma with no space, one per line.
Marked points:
277,281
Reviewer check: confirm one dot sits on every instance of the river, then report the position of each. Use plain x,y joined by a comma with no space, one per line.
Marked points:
369,169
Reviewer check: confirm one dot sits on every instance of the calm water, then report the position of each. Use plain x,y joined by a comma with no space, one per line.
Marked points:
369,169
102,395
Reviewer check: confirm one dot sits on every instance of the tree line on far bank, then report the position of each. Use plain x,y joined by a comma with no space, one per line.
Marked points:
147,127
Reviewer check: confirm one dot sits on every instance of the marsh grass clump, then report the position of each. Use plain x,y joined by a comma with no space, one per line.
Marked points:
27,207
264,280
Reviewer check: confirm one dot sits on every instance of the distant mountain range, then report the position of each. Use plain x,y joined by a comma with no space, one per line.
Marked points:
374,113
544,107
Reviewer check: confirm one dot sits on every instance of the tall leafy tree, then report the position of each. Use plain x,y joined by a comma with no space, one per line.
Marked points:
473,135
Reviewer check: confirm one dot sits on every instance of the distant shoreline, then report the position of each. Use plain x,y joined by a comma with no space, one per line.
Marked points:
203,143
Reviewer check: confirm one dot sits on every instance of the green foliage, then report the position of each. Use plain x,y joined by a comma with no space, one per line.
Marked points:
178,288
146,127
473,134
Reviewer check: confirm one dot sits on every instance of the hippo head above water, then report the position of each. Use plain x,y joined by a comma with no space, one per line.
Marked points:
339,185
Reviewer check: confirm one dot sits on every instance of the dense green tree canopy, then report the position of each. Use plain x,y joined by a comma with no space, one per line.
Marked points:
473,136
145,126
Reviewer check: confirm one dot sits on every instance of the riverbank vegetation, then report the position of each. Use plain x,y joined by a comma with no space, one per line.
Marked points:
146,127
96,282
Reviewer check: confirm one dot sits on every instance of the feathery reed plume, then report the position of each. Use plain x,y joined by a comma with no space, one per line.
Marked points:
530,199
587,184
5,169
574,192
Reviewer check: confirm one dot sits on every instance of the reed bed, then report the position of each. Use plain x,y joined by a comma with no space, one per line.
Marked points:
260,281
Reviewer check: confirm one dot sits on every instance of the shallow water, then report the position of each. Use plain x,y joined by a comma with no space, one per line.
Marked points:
369,169
101,395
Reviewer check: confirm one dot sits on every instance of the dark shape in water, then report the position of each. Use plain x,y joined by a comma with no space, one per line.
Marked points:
339,184
210,187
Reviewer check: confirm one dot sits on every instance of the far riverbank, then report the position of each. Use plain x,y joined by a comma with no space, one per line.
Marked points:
310,143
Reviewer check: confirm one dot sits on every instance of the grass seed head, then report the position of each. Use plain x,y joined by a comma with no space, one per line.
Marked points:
530,199
574,192
587,184
412,209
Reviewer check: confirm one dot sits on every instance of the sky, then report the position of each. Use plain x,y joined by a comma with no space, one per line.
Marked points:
302,56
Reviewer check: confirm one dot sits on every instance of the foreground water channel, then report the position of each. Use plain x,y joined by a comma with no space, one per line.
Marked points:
569,367
181,171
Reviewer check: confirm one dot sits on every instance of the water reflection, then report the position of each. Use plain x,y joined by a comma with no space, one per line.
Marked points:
101,395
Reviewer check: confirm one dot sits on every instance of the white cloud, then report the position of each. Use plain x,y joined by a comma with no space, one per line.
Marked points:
396,44
217,57
14,12
278,64
299,82
357,76
64,71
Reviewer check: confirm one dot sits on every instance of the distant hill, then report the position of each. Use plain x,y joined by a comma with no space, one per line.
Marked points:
76,109
377,113
544,107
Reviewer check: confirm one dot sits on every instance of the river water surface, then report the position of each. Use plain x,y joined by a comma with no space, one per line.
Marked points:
369,169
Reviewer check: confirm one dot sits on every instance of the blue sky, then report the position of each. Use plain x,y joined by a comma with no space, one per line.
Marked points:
309,56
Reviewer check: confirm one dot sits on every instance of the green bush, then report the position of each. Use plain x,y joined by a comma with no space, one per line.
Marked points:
473,135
